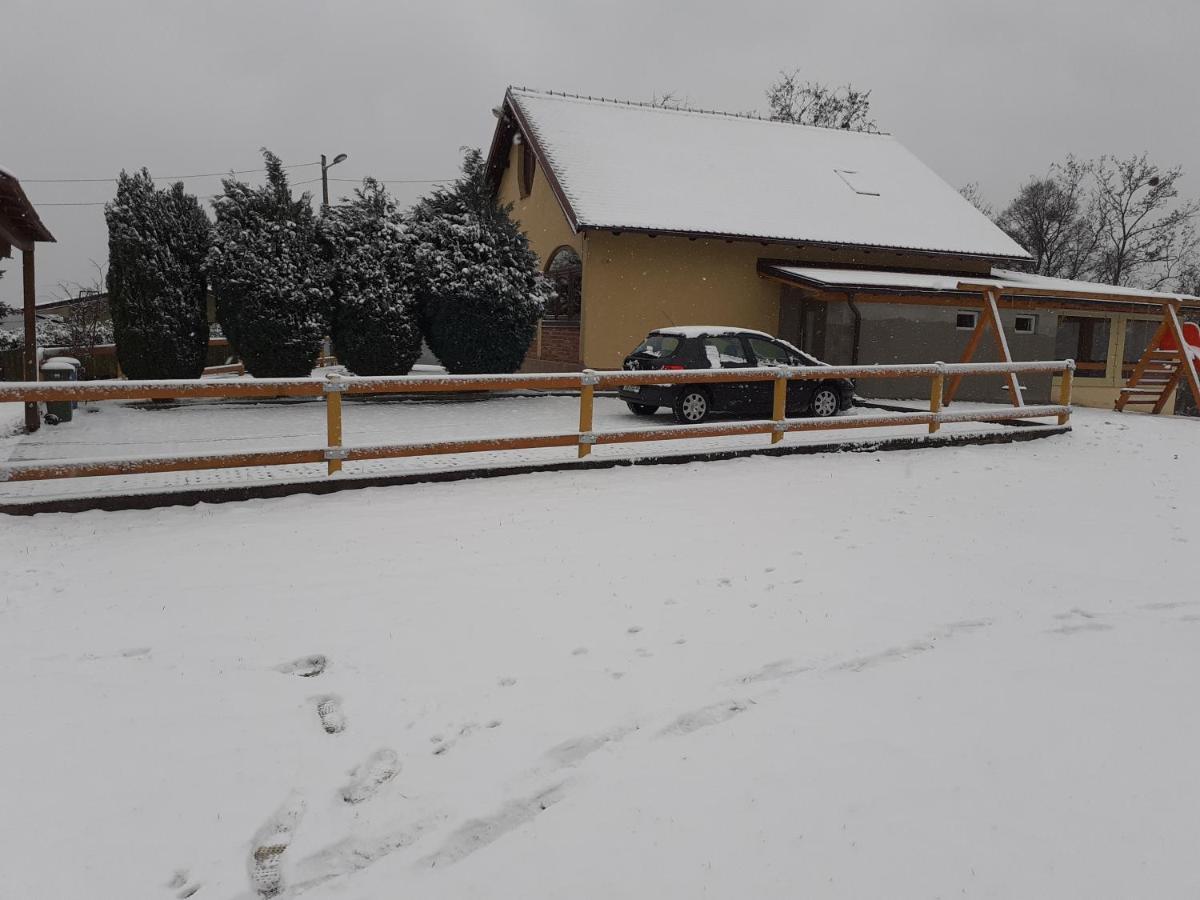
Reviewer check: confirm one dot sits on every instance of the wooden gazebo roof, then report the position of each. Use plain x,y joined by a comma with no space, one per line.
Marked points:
20,225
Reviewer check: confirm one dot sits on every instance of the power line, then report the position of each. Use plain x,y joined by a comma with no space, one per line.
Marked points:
397,180
156,178
241,172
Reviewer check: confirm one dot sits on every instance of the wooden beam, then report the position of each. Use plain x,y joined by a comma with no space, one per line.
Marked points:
29,364
968,355
1068,294
1151,354
1014,383
1012,300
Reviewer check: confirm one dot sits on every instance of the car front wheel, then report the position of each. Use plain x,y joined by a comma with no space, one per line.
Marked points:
642,409
824,402
692,406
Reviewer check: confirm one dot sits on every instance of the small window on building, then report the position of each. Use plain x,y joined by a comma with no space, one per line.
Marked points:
1025,324
566,271
966,320
858,182
528,167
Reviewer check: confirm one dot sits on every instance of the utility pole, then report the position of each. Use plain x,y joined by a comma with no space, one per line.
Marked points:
325,167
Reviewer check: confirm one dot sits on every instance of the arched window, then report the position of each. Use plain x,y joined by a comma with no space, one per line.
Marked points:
565,269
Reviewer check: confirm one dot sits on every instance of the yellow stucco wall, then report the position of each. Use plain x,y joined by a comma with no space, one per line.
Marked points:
539,215
633,283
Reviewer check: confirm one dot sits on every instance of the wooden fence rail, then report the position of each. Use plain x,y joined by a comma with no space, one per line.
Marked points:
333,453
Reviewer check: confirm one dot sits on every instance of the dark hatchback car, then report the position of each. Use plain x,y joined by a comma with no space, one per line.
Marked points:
714,347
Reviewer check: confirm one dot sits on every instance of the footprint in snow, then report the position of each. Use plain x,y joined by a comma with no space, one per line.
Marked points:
305,666
706,716
329,710
1081,627
369,776
270,843
183,885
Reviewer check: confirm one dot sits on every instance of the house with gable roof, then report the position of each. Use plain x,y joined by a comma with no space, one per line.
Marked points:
842,242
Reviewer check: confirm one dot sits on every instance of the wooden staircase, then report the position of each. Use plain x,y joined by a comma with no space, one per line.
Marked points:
1168,360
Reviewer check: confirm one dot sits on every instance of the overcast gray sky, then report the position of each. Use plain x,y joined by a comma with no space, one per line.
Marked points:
982,91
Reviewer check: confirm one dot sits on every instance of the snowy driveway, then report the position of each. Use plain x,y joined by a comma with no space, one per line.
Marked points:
913,674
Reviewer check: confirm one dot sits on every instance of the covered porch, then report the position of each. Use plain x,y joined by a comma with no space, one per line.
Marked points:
21,229
867,316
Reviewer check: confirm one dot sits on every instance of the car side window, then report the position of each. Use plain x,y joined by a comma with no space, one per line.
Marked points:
724,352
768,353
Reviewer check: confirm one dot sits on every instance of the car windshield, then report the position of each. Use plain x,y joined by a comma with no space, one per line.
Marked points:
658,345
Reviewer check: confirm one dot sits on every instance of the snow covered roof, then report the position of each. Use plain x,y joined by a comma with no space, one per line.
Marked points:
1004,280
18,214
626,166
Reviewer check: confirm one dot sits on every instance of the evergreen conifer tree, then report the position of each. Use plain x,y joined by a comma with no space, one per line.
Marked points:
375,327
268,275
157,241
478,283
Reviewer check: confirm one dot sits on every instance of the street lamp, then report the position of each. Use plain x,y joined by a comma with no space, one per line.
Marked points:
325,167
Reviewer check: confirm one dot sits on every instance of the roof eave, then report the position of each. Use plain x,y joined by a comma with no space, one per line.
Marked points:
973,287
774,239
512,120
30,224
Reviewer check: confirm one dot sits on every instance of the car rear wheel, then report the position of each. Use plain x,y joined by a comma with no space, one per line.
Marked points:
642,409
824,402
692,406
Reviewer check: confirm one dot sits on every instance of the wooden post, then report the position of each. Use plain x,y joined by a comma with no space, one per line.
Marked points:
993,313
968,355
333,422
29,360
779,406
1064,394
935,398
587,393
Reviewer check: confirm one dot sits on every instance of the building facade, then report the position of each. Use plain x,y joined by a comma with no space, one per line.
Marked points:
647,217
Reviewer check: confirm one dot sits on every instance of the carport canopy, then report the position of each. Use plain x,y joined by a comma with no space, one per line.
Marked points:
1002,288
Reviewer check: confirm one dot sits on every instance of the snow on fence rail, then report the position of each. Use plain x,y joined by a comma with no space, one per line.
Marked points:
333,453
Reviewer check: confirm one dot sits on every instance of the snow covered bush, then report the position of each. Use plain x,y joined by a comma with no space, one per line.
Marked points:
157,241
268,275
477,281
375,327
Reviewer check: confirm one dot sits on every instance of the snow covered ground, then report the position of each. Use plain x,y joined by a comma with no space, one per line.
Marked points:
954,672
114,429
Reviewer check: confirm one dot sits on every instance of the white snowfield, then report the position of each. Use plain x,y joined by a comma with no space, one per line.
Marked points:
956,672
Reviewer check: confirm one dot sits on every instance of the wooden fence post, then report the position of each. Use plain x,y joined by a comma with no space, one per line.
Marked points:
1064,392
779,405
333,422
587,393
935,397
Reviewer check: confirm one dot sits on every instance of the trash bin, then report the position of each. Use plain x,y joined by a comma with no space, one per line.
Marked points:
78,373
58,370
